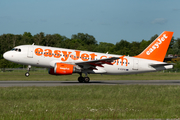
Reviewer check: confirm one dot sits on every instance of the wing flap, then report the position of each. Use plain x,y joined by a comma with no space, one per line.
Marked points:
98,62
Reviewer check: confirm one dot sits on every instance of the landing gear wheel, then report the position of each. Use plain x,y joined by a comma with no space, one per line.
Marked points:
86,79
81,79
27,74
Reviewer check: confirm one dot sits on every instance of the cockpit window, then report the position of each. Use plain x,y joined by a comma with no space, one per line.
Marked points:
16,49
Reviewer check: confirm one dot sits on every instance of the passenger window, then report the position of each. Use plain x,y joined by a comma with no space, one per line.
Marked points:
19,50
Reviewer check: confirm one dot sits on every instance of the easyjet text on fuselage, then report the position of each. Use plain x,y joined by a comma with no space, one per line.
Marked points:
74,55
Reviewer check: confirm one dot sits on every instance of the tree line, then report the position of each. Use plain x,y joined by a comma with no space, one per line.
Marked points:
79,41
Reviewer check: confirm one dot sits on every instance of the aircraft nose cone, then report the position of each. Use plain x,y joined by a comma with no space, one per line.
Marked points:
6,55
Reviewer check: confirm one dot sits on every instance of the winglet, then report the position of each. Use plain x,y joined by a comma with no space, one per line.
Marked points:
158,48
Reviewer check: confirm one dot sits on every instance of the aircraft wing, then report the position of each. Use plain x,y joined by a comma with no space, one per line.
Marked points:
93,63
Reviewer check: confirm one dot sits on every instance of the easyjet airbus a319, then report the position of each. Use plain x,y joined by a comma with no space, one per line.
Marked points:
62,61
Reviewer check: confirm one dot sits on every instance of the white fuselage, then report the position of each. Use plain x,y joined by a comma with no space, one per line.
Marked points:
44,56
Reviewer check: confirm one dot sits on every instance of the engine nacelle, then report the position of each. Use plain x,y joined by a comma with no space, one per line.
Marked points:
63,69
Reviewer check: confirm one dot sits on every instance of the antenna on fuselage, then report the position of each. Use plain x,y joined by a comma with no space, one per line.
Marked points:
33,44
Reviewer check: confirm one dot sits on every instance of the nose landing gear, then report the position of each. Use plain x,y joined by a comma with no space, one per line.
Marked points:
27,73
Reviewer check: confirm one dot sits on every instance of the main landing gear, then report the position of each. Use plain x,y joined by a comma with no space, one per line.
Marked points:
27,73
83,79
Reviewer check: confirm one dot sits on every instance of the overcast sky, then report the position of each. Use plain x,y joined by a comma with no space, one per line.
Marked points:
107,20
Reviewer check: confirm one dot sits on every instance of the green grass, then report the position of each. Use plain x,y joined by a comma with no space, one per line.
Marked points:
44,76
90,102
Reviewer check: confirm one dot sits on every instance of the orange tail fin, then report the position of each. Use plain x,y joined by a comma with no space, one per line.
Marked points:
158,48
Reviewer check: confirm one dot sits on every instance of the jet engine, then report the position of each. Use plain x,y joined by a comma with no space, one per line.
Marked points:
63,69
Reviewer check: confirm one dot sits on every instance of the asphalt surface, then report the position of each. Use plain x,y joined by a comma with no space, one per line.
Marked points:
70,83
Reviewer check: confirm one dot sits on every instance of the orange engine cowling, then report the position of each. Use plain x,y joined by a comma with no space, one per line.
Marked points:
62,69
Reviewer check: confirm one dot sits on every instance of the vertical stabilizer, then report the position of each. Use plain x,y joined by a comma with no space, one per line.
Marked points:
158,48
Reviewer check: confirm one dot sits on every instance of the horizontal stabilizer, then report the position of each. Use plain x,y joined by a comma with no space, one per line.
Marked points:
159,65
165,66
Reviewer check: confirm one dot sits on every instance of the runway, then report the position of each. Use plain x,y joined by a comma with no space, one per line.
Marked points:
70,83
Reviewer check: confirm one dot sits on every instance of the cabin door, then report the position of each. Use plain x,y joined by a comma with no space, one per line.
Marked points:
30,52
135,64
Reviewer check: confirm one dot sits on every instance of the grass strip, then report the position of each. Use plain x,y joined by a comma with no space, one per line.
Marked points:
90,102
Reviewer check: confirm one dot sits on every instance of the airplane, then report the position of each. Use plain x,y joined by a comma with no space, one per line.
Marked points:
61,61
